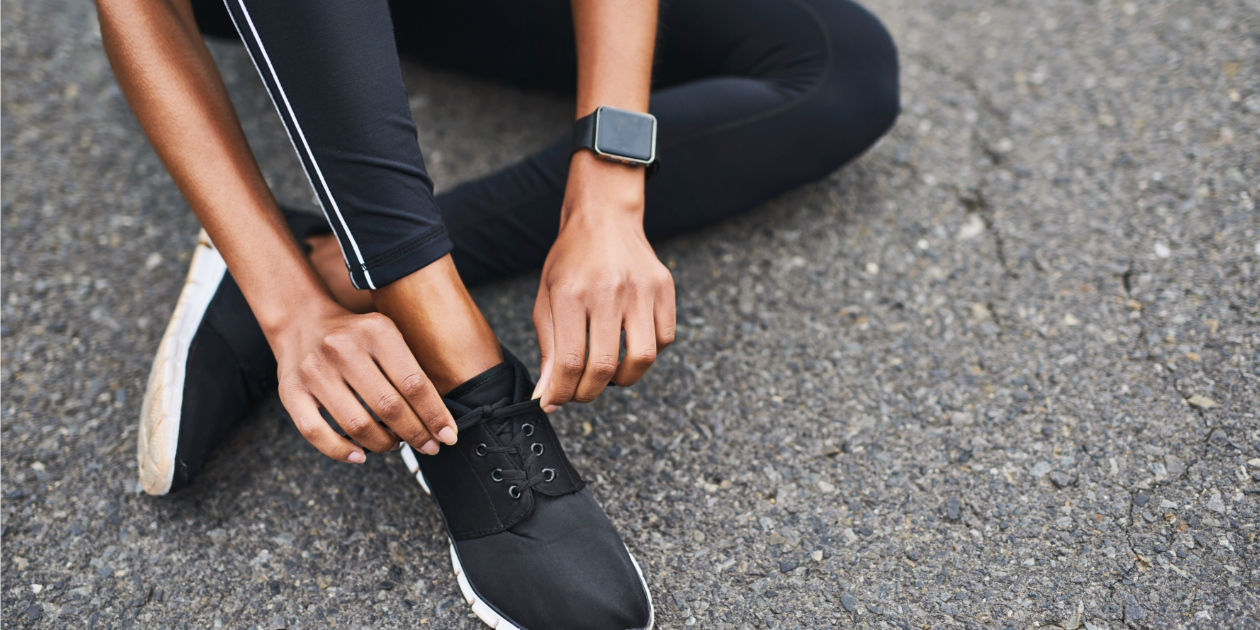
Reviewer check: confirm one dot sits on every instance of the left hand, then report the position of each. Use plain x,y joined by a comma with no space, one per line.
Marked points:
601,277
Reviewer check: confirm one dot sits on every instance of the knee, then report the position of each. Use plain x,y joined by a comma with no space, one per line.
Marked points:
882,80
860,97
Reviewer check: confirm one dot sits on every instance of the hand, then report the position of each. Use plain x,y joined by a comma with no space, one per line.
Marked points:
328,357
601,278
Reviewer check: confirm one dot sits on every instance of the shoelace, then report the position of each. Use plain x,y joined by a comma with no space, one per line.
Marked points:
497,418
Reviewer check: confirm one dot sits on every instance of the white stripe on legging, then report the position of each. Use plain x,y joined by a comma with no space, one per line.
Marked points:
301,136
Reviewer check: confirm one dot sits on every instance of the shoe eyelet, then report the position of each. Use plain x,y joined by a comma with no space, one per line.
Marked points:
548,474
527,429
496,475
536,448
481,450
513,492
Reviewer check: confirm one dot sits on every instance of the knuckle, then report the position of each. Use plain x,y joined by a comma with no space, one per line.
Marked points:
643,282
413,385
356,424
641,358
309,368
337,342
307,430
376,322
568,293
416,434
389,405
570,362
585,397
665,336
603,367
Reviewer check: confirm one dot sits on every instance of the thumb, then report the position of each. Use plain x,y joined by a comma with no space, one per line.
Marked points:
546,342
544,380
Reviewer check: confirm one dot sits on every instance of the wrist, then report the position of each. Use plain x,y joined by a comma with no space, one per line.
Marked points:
599,189
295,315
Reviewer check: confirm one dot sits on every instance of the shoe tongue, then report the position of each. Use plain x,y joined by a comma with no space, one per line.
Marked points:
487,388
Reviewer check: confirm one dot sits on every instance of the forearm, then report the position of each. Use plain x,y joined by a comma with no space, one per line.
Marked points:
615,43
170,80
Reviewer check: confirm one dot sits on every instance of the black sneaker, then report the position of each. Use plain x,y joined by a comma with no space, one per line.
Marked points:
212,366
531,548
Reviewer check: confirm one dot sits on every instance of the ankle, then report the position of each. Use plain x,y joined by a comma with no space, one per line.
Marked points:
441,324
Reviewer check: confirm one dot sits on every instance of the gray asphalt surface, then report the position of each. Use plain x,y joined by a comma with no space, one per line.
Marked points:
1002,371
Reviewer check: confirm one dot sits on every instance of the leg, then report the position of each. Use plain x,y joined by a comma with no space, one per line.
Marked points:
754,99
333,73
442,325
437,317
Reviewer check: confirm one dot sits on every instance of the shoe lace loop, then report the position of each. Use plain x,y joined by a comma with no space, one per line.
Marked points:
497,417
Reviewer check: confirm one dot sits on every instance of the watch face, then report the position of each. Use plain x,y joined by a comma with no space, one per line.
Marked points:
625,134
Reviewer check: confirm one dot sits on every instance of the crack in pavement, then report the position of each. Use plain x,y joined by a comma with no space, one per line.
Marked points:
974,201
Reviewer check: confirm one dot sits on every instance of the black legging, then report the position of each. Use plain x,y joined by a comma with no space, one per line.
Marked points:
753,98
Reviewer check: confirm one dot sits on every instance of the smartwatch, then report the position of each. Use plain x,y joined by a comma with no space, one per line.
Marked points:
618,135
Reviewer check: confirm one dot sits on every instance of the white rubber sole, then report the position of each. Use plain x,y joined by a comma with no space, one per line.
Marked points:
164,396
484,612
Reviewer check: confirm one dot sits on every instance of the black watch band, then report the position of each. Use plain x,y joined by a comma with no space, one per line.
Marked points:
633,142
584,133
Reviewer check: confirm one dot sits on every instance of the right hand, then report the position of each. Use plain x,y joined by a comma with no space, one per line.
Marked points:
328,356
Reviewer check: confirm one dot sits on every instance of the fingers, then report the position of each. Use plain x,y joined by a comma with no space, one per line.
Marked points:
585,299
355,420
648,331
305,413
580,352
343,367
405,398
379,395
601,356
641,343
568,315
663,313
544,326
364,364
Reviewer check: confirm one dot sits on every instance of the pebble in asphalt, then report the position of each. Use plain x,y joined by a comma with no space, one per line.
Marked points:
1049,271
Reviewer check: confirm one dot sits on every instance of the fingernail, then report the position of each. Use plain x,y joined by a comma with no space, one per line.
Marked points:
356,458
429,448
550,409
447,435
397,447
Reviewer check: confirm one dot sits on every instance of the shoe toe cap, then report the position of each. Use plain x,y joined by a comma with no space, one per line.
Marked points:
564,567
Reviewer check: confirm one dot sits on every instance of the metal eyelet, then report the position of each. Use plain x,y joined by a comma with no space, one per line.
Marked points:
548,474
481,450
536,448
527,429
496,475
513,492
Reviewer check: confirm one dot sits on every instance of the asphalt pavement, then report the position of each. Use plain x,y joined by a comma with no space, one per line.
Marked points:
1001,371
